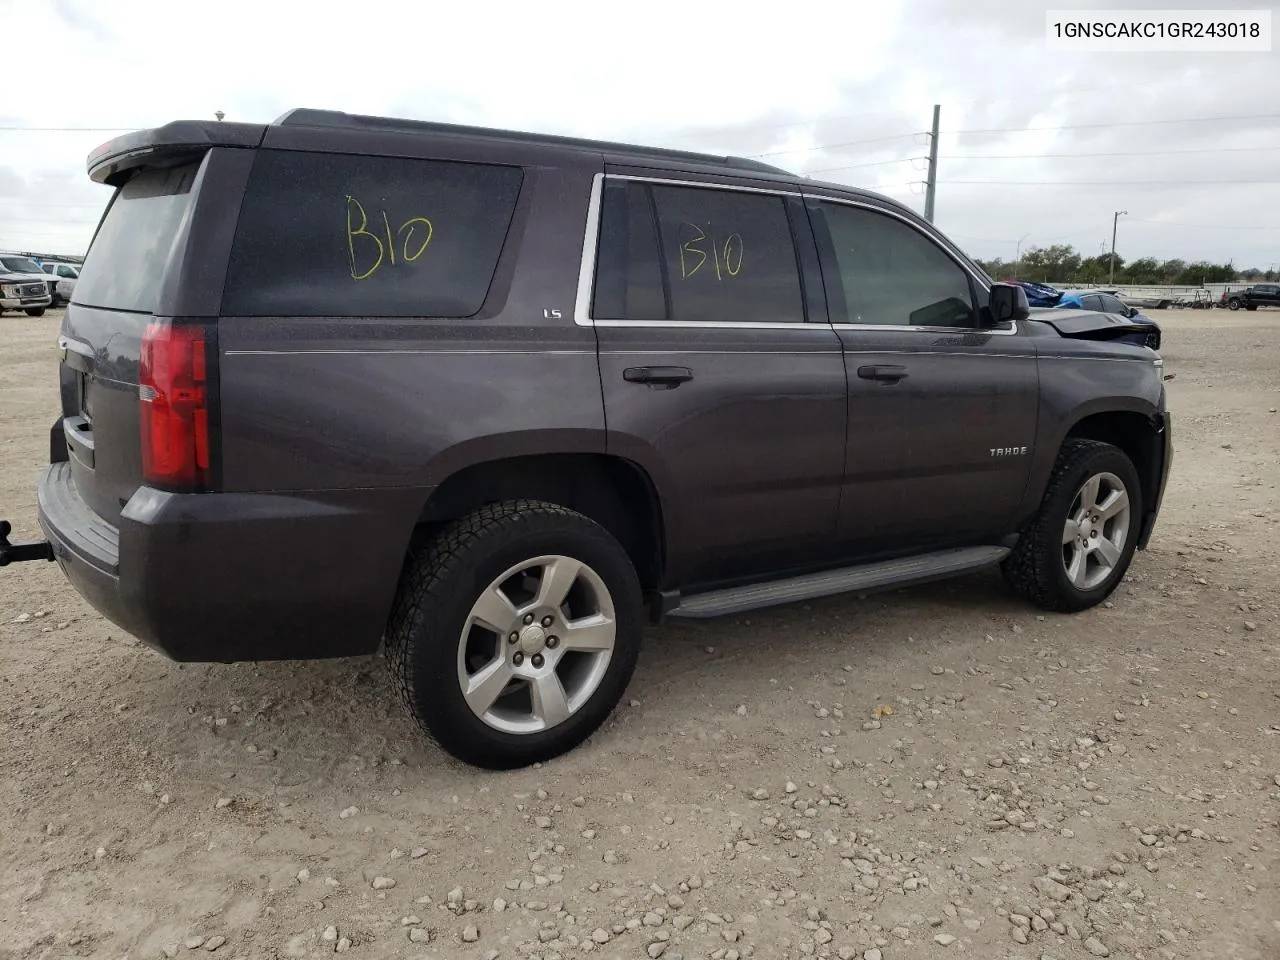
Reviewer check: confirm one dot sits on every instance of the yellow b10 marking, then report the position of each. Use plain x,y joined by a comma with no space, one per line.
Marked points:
385,251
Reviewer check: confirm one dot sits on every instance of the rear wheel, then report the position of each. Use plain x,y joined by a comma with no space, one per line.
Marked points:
1233,304
36,312
1078,547
515,632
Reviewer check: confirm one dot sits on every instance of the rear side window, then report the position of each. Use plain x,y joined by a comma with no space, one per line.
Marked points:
695,255
127,259
728,256
340,235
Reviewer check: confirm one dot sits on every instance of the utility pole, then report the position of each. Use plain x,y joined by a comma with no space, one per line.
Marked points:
932,185
1017,263
1114,222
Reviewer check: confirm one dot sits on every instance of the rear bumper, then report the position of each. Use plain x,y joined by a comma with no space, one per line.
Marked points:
235,576
1160,478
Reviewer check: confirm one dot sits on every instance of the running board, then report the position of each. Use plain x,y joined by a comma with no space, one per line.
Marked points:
864,577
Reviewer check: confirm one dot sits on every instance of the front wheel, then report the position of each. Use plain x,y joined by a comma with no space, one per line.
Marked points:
515,632
36,312
1233,304
1074,552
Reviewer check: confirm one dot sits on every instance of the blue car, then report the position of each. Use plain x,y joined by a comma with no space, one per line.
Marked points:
1099,301
1109,303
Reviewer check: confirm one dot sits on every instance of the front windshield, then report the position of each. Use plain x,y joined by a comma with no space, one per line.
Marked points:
19,265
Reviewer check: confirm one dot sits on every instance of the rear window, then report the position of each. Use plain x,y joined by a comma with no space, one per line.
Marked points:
126,262
348,236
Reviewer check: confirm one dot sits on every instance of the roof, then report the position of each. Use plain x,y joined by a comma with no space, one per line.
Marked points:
335,119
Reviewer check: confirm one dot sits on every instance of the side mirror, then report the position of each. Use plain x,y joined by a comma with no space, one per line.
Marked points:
1008,302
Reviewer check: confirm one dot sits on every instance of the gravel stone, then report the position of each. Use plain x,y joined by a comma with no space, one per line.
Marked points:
470,934
1096,947
383,883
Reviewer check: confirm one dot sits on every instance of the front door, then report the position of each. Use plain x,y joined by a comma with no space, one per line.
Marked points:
715,379
942,408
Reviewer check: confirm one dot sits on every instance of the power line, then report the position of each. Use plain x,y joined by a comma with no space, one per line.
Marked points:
1121,123
812,121
1198,226
859,166
832,146
1106,183
1130,153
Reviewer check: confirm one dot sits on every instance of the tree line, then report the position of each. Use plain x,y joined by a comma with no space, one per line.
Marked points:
1061,264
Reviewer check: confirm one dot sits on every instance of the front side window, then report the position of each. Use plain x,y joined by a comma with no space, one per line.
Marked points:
695,255
889,273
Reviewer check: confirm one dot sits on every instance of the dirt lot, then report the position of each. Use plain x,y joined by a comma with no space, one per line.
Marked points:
1045,786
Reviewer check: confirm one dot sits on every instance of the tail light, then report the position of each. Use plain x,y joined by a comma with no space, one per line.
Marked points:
173,406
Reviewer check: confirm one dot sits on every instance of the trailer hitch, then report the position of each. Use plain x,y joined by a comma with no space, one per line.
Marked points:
18,552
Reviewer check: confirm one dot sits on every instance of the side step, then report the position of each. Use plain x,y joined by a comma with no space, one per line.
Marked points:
864,577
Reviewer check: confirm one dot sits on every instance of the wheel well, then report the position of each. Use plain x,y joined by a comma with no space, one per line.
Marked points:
1134,433
615,493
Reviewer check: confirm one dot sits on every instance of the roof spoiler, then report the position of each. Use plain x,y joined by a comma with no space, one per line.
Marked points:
165,146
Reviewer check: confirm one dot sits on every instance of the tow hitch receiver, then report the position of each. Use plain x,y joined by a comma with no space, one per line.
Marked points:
18,552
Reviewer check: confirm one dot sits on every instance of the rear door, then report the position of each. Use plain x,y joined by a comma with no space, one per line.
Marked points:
942,411
720,372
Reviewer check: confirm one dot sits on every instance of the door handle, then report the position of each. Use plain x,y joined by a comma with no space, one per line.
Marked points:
660,378
888,373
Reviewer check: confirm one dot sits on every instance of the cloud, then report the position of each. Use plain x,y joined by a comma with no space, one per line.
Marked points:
836,87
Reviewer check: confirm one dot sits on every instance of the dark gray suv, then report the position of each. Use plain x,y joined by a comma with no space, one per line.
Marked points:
493,401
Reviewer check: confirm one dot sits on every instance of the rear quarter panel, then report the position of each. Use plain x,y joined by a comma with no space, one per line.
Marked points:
331,403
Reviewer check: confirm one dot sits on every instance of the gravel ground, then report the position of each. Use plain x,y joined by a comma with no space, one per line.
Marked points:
937,770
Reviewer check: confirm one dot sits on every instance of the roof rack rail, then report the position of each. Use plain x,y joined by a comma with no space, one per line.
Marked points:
304,116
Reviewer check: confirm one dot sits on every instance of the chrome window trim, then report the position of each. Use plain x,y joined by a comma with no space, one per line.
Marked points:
591,237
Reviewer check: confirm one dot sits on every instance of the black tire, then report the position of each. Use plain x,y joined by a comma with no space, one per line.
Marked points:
1233,304
445,576
36,312
1252,306
1036,569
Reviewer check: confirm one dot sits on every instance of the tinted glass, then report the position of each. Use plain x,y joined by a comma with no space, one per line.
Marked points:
1113,305
628,272
891,273
1091,302
338,235
127,259
728,256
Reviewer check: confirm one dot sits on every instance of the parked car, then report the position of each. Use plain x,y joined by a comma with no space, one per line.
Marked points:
529,393
65,275
18,291
1251,298
27,271
1109,303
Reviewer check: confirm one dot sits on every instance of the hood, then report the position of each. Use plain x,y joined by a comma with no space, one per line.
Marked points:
1088,325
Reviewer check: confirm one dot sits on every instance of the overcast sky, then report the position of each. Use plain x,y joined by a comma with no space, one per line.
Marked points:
805,85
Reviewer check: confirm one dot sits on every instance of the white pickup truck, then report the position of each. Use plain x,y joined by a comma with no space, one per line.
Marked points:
66,275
